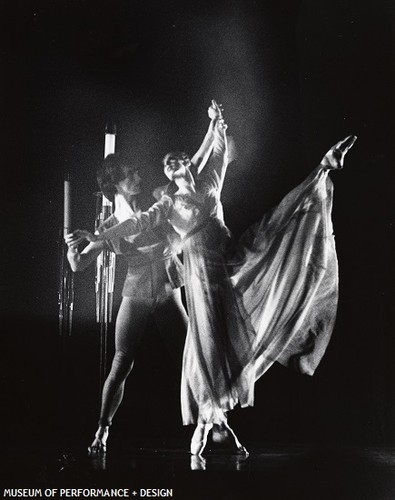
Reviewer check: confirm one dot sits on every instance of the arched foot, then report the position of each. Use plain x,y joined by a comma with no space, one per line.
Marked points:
223,434
334,158
99,444
199,438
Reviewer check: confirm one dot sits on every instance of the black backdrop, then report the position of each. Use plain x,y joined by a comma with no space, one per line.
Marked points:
294,77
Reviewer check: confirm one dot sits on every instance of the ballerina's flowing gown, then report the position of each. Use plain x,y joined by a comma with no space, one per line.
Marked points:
271,296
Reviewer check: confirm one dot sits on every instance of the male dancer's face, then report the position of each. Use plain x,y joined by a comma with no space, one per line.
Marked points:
131,184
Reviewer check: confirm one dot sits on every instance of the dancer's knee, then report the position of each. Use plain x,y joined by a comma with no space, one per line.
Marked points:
122,364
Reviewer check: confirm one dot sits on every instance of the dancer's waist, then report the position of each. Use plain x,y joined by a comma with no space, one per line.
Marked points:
209,224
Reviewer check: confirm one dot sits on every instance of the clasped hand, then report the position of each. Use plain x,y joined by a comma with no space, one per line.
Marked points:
215,113
78,236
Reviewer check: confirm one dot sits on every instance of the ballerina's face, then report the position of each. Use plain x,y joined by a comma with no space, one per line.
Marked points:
176,165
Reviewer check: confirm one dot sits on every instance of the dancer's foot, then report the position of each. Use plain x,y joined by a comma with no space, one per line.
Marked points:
334,158
199,438
198,462
99,444
224,434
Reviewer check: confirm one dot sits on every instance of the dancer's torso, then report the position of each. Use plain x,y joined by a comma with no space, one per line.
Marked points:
147,255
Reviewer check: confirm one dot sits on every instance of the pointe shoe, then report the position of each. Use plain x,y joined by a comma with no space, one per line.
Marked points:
334,158
198,462
199,438
224,434
99,446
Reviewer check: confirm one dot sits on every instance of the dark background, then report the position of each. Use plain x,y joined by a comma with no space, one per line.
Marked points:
294,77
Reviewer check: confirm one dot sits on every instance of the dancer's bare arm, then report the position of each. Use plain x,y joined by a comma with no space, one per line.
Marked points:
202,155
81,260
153,217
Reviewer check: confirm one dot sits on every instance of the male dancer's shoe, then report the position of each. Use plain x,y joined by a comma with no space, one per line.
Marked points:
99,444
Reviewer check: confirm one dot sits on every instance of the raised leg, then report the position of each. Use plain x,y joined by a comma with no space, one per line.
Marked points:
334,158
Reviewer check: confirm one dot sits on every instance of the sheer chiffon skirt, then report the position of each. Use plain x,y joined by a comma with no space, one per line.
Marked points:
271,297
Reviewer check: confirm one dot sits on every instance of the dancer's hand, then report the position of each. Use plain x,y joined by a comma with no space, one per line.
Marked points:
81,260
78,236
71,241
215,114
220,125
334,158
215,111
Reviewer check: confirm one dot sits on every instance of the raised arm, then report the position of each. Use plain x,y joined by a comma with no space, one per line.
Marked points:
218,162
202,155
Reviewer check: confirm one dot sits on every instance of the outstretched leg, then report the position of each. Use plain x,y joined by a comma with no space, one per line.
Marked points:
131,320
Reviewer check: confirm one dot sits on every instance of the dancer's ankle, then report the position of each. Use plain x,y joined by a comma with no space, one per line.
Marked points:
223,434
99,444
102,432
199,438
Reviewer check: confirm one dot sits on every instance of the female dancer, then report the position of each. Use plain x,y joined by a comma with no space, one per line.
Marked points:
152,282
270,297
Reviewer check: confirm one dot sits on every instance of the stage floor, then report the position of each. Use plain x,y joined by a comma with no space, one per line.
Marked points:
316,472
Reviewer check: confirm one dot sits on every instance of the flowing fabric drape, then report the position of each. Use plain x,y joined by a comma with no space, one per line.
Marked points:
271,298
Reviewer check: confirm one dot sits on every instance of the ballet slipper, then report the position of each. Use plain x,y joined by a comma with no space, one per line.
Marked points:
99,444
334,158
198,462
224,434
199,438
